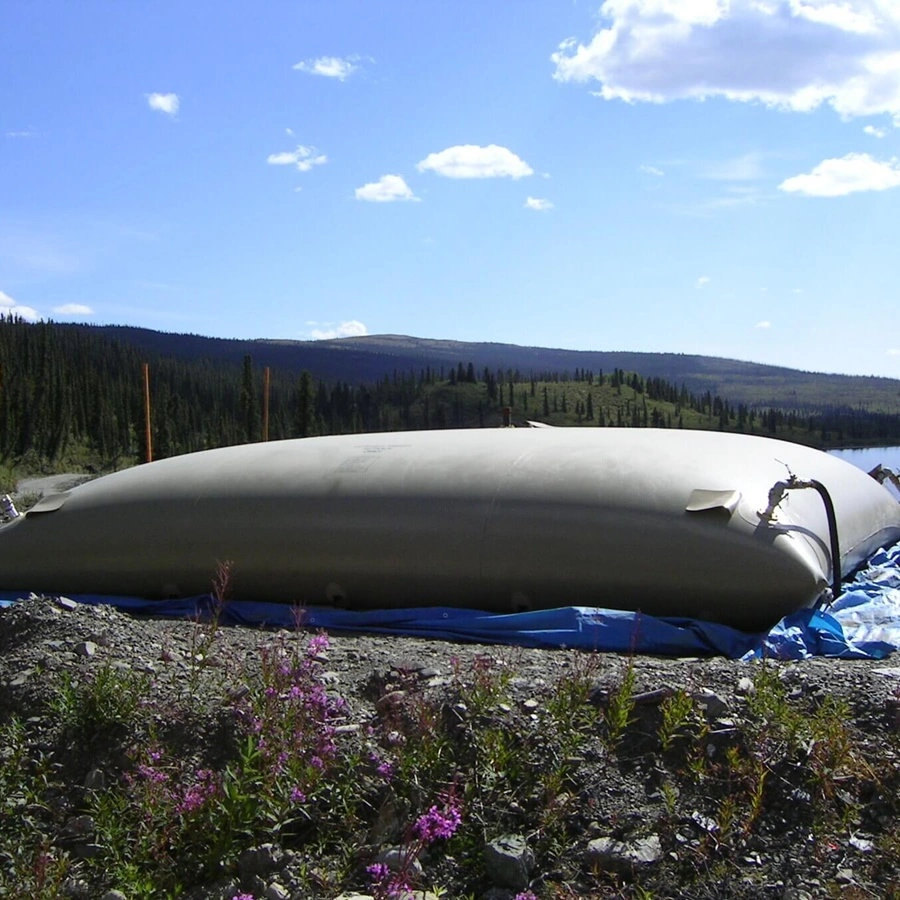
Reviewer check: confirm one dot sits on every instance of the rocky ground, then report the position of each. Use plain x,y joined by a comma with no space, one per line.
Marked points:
575,775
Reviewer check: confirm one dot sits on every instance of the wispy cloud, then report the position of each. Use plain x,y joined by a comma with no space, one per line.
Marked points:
472,161
164,103
388,189
73,309
327,331
702,281
302,158
787,54
538,204
24,133
763,325
850,174
652,170
9,307
337,67
872,131
747,167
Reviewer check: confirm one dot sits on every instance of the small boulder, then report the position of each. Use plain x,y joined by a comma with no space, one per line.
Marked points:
607,852
259,860
508,861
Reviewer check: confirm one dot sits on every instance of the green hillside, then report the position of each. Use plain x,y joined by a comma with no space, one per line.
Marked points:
365,360
73,398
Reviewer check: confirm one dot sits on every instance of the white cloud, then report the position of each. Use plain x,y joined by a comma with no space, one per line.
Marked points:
764,324
9,307
164,103
847,175
740,168
538,204
330,66
327,331
872,131
652,170
703,281
472,161
73,309
387,189
894,351
790,54
303,158
26,133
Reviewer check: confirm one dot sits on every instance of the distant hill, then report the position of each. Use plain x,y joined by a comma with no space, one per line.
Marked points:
370,358
73,397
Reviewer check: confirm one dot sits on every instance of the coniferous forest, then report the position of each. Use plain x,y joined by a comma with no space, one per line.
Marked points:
74,398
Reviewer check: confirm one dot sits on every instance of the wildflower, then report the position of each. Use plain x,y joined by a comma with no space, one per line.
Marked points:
383,767
388,884
378,871
318,644
525,895
297,796
196,795
152,774
437,824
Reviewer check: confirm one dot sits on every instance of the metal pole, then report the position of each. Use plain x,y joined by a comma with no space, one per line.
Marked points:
266,381
148,436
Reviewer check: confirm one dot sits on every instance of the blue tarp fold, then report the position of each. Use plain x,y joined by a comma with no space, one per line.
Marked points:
864,623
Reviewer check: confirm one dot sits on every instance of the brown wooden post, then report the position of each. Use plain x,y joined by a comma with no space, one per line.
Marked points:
266,382
149,439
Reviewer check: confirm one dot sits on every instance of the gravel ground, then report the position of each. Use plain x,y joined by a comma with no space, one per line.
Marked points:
32,489
819,818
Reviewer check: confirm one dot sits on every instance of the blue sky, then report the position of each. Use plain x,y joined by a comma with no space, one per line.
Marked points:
696,176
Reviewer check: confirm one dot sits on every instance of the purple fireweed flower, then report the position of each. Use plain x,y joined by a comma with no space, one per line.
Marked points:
196,795
378,871
152,774
525,895
437,824
297,796
383,767
318,644
387,883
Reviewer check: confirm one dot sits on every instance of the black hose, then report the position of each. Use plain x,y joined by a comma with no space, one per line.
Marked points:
794,483
833,534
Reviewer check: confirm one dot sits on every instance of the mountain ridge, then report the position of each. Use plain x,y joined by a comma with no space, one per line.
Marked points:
369,358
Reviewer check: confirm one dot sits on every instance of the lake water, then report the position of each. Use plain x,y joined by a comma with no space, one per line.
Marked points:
869,457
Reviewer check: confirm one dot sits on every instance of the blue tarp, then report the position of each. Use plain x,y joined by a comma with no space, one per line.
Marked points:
864,623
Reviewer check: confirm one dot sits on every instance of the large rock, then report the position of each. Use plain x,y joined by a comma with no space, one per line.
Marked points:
609,853
508,861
